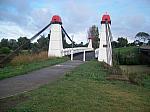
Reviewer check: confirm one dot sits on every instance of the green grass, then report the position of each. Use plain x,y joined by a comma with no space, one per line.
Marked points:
85,89
10,71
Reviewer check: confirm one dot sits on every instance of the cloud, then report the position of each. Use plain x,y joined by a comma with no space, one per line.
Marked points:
26,17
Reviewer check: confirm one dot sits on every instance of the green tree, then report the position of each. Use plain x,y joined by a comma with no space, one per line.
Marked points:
24,41
4,43
114,44
122,42
43,43
93,33
142,36
35,47
13,44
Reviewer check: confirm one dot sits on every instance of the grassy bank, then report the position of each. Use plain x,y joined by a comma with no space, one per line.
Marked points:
19,67
85,89
126,55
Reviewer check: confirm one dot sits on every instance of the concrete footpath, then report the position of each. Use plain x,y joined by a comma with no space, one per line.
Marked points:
32,80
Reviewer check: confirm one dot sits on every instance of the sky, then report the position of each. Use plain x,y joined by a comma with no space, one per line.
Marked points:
27,17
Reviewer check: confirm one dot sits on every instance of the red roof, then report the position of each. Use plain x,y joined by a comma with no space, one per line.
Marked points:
106,18
56,19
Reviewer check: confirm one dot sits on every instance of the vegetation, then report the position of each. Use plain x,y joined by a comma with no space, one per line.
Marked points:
85,89
26,63
126,55
93,34
137,74
143,36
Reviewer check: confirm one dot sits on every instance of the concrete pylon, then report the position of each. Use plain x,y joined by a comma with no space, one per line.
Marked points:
55,43
105,48
90,43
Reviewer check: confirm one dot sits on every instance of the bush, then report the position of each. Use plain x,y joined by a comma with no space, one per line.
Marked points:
4,50
126,56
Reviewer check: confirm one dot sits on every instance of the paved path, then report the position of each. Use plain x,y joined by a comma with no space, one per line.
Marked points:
22,83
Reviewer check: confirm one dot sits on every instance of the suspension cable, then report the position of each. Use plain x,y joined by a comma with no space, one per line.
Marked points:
66,34
16,50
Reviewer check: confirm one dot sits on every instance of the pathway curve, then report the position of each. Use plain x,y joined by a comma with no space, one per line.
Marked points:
22,83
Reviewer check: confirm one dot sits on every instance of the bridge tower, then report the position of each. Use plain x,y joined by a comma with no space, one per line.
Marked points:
90,43
105,48
55,43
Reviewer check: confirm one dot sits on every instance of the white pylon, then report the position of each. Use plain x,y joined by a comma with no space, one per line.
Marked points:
55,43
105,48
90,43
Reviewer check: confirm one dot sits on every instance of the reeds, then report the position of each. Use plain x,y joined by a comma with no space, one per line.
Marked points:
28,58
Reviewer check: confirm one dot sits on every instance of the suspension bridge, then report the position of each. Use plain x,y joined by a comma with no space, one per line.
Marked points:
103,53
19,84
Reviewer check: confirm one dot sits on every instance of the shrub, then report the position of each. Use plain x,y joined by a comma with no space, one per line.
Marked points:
126,56
4,50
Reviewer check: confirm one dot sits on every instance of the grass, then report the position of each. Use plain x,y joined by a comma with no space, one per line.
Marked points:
24,64
136,68
139,74
85,89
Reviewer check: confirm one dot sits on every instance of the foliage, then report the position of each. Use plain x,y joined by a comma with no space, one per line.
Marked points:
93,34
4,50
24,41
13,44
122,42
4,43
126,56
43,43
82,91
143,36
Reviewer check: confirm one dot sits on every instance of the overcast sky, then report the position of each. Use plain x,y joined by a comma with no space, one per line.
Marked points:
27,17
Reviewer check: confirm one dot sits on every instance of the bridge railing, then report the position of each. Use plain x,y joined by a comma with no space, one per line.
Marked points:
68,51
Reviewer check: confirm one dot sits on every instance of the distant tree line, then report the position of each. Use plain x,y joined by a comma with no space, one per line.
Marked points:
141,38
42,44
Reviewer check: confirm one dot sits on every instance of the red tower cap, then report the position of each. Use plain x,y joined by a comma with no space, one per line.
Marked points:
106,19
56,20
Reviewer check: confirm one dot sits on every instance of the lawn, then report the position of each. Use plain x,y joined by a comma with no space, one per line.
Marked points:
14,70
85,89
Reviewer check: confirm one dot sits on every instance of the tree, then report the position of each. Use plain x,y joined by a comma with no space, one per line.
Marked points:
4,43
122,42
93,33
142,36
35,47
114,44
13,44
43,43
24,41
